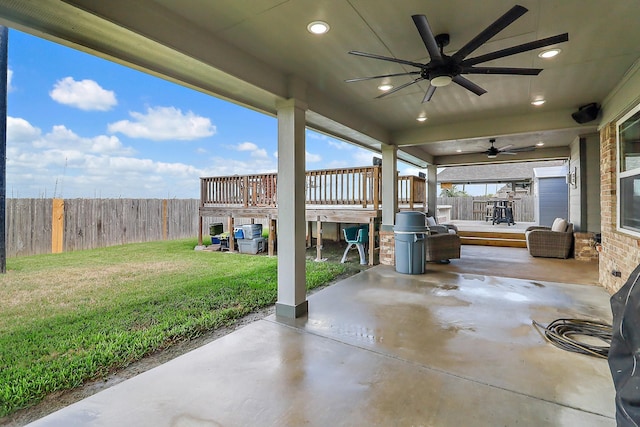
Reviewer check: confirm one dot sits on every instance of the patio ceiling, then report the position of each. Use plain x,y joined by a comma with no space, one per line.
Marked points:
259,52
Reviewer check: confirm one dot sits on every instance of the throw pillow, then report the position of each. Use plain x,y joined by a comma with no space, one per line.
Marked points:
559,224
431,222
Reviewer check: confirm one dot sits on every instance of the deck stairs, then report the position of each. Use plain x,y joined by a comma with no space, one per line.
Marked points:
493,238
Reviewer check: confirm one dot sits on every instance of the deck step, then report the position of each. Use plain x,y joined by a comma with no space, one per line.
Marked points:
490,238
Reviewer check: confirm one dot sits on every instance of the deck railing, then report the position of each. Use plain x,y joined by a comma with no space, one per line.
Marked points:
243,190
334,187
351,186
412,190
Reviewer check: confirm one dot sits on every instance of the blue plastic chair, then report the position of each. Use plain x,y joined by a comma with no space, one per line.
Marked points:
356,236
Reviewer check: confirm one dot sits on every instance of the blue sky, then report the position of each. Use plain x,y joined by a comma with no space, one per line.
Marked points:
81,126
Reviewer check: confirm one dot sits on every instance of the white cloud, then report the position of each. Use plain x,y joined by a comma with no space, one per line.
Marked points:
9,80
253,149
61,138
410,170
319,139
226,167
340,145
260,153
164,123
85,94
246,146
338,164
363,157
21,131
312,158
65,164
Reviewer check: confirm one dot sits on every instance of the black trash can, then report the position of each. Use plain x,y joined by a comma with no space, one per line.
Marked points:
410,232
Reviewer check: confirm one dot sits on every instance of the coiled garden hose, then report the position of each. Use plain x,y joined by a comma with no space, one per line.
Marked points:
563,333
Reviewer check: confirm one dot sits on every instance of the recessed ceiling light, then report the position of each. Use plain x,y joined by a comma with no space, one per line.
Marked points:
421,119
458,151
318,27
540,144
385,87
538,102
550,53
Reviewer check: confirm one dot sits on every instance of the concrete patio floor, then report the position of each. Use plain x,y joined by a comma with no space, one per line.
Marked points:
381,348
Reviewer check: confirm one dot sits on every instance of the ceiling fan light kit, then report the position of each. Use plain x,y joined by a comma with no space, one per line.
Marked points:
442,69
440,81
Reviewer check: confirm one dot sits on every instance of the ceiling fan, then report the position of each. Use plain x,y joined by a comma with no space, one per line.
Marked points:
493,152
443,69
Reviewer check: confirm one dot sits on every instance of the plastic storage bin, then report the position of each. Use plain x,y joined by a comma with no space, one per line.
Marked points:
252,231
238,233
251,246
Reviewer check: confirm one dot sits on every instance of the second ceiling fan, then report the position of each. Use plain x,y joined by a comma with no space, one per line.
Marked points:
443,69
493,152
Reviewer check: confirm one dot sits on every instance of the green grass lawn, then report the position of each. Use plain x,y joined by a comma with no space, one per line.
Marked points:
68,318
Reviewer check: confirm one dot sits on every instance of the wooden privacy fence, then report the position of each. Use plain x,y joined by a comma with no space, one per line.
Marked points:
37,226
474,208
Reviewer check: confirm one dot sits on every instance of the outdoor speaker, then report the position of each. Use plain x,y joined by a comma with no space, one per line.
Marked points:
377,161
586,113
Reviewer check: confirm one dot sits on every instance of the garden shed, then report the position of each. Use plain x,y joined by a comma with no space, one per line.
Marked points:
551,191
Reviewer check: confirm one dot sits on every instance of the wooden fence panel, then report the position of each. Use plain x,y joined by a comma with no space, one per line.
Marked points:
474,208
28,225
94,223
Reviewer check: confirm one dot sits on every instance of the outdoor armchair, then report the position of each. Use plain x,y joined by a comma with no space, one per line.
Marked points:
550,242
442,247
442,243
436,228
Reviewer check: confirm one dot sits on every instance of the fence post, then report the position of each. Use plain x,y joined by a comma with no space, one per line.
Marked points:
165,219
57,226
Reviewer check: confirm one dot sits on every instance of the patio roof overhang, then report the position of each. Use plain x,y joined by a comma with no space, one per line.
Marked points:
232,52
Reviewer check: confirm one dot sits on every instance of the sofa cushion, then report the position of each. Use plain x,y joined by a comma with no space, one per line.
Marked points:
559,224
431,222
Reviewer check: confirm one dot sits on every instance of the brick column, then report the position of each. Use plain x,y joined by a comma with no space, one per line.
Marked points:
585,247
387,248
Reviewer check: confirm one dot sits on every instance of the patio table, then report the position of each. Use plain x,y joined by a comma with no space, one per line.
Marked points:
502,211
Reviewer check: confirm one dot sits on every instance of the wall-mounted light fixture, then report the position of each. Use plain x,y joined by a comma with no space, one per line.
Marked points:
571,178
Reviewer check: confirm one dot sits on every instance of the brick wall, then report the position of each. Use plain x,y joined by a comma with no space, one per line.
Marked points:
620,252
387,248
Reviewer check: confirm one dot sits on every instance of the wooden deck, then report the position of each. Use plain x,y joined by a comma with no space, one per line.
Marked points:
342,196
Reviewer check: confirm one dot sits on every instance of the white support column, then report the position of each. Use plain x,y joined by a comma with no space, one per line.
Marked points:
292,290
389,186
432,190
